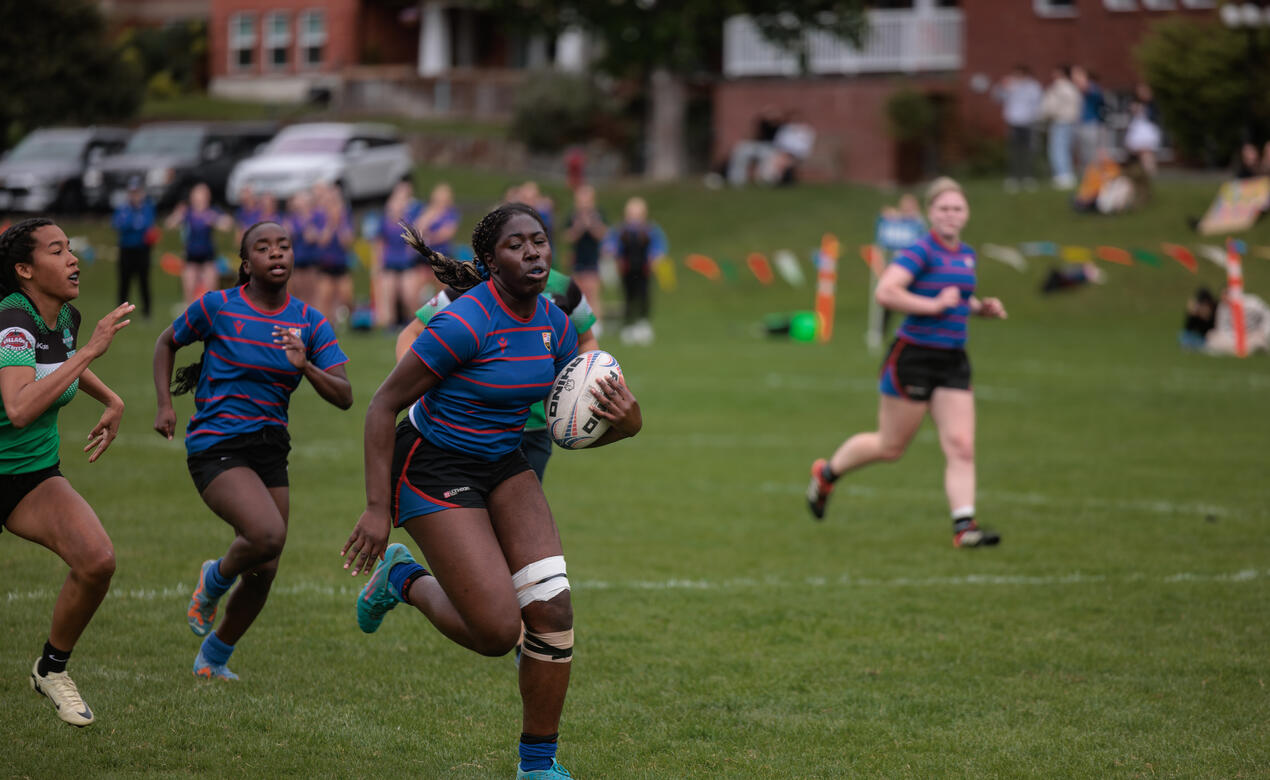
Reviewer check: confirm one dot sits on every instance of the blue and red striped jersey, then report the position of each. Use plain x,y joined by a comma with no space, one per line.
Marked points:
493,365
935,266
247,381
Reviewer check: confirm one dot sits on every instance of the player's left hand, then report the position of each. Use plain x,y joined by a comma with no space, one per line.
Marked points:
992,308
104,432
289,340
615,403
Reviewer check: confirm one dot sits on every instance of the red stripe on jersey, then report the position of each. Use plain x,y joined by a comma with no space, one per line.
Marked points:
441,341
250,365
465,324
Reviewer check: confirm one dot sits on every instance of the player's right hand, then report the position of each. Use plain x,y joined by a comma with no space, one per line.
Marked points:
106,329
948,298
165,423
367,542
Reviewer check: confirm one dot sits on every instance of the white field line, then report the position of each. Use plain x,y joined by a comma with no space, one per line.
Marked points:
335,592
1159,507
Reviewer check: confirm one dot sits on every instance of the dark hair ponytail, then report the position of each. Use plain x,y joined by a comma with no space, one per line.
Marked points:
186,377
464,275
16,246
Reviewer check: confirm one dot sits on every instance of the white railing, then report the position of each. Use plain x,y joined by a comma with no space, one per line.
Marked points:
897,41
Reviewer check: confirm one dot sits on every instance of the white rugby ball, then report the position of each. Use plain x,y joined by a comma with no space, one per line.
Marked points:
570,420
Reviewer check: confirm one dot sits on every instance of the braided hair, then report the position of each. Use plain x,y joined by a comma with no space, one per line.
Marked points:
186,377
16,246
464,275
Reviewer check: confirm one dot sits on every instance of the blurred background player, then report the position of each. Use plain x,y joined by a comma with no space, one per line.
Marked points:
259,342
300,224
637,244
584,231
134,221
332,240
397,274
438,224
927,369
459,484
896,228
40,372
198,222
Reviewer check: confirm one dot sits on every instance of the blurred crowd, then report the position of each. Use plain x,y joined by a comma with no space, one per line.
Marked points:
324,238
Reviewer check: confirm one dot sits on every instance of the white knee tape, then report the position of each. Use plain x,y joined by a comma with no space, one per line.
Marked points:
541,580
554,647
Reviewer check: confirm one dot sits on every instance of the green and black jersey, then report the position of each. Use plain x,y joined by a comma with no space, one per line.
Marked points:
25,340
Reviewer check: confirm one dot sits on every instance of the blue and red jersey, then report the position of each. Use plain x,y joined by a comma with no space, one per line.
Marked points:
493,366
935,266
247,381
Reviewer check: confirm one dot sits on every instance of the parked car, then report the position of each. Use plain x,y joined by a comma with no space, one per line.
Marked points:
170,157
363,160
42,173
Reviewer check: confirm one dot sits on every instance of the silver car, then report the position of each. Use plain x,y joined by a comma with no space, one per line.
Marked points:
364,160
43,171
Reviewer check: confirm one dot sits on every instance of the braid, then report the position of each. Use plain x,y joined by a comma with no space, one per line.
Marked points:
16,246
455,273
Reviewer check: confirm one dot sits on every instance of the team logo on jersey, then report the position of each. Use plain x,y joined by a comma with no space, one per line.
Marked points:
295,332
16,338
502,343
238,327
969,261
546,340
67,338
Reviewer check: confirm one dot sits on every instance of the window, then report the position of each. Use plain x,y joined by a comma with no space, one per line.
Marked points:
1054,8
312,38
1199,3
1160,5
1120,5
242,41
277,40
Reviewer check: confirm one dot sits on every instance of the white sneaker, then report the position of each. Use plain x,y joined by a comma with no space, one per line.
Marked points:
60,689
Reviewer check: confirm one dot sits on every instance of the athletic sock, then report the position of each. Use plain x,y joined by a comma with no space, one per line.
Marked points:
963,517
402,575
826,471
215,651
537,752
216,583
53,660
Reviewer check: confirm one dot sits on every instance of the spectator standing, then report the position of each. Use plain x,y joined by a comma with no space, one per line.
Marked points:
1061,105
1249,164
584,231
1142,139
438,224
199,221
637,243
134,221
1090,133
396,277
1020,96
752,155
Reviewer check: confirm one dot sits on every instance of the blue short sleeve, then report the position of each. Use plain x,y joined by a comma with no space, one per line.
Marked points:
324,348
452,337
196,323
913,259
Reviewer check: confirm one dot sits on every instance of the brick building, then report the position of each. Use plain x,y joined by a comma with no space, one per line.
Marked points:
947,49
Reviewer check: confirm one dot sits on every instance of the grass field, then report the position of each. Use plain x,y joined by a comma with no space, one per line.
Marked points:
1120,630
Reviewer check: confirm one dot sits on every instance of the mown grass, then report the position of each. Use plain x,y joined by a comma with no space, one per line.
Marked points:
1120,630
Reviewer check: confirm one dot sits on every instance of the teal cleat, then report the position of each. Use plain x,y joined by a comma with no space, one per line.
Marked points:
210,671
202,611
556,772
377,597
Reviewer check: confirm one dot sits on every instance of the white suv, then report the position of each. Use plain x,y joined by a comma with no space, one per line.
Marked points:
363,160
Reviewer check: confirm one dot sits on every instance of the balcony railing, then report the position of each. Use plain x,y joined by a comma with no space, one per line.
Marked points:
897,41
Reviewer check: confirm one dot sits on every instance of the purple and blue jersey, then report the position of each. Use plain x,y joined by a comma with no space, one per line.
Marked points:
246,380
934,266
493,366
447,218
198,232
398,255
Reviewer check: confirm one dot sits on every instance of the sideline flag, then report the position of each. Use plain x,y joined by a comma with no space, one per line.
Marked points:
1214,254
759,266
787,266
826,284
1146,257
1182,255
1040,249
1076,254
1113,255
1006,254
704,266
873,258
664,270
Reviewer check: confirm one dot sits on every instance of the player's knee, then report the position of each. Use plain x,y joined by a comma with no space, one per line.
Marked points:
891,451
267,542
97,567
497,638
549,616
261,577
959,447
542,588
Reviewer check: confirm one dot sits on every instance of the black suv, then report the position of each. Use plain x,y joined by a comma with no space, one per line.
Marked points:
170,157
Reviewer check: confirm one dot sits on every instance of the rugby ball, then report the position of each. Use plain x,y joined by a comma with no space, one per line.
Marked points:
570,420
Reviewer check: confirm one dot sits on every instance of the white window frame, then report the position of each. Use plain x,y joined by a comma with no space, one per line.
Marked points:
276,40
238,41
1120,5
1047,9
306,39
1198,4
1160,5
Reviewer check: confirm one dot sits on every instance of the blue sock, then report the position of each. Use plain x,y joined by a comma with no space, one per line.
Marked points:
216,583
537,752
216,651
401,575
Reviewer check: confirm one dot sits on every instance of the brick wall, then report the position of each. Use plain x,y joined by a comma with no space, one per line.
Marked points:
342,22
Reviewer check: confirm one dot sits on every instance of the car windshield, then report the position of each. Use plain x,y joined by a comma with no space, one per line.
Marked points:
48,146
175,141
306,144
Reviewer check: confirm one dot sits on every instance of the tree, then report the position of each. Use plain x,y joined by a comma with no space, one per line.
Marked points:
663,45
57,67
1210,83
